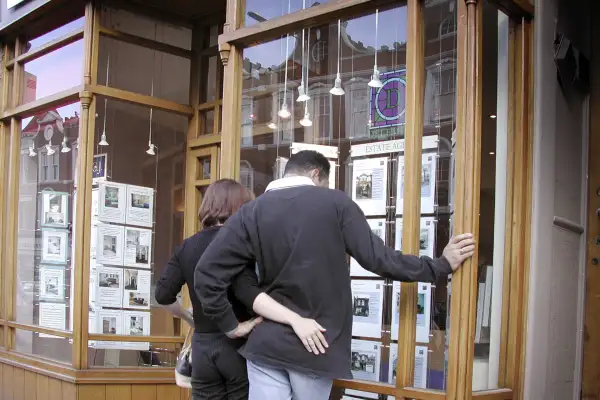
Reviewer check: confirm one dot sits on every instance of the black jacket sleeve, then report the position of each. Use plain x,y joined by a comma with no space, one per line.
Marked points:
373,255
245,286
171,281
224,259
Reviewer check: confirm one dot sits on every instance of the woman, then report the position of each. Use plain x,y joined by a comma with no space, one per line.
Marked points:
218,370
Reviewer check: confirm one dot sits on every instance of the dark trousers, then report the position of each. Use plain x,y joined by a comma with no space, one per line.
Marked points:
218,370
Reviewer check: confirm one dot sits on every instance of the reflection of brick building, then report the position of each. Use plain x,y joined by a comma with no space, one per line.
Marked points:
350,119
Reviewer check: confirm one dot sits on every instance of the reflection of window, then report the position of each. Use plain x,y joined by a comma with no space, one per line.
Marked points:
445,81
247,121
357,109
321,105
49,169
247,175
447,26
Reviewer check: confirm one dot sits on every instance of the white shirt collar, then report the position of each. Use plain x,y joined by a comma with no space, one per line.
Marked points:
290,181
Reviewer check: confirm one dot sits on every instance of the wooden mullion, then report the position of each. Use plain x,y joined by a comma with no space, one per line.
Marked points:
146,43
48,48
52,101
464,281
39,329
11,232
522,212
136,98
317,15
136,339
411,219
231,56
95,53
510,189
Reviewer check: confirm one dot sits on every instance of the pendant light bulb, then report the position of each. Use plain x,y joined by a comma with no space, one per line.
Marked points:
151,148
103,141
65,146
272,125
305,121
284,112
32,152
49,150
337,89
302,96
375,79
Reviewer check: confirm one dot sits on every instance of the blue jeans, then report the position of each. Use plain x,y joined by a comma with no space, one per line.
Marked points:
283,384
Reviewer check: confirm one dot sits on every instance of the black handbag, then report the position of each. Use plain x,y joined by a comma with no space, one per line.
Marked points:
183,367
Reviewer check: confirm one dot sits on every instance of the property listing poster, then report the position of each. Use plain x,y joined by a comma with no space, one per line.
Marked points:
428,177
365,364
109,290
140,206
109,322
369,185
367,308
136,323
111,202
136,293
420,366
426,236
109,248
423,311
138,247
52,316
378,229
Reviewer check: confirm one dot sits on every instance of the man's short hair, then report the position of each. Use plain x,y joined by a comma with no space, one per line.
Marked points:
305,161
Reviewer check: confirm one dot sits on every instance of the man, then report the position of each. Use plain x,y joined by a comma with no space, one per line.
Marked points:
299,233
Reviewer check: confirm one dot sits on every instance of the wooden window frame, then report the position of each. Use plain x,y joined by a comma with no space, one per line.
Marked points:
469,96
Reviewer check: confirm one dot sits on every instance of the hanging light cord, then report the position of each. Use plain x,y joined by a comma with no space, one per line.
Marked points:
339,49
106,99
376,34
307,57
152,86
303,50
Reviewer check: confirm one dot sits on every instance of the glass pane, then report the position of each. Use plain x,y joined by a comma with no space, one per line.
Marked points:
46,241
135,218
55,34
492,213
45,346
207,121
147,28
437,208
60,70
142,70
360,131
133,355
262,10
212,70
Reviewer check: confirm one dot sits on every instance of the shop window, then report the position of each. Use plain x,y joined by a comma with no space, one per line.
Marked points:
345,126
142,70
46,237
133,225
139,25
38,41
54,72
493,194
261,10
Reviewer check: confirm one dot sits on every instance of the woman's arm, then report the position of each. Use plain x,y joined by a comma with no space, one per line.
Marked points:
168,288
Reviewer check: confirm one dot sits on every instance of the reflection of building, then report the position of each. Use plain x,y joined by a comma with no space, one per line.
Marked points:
356,120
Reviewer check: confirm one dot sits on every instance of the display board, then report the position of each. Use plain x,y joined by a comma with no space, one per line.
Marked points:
120,268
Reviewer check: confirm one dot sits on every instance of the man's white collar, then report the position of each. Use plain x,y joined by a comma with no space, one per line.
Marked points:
290,181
